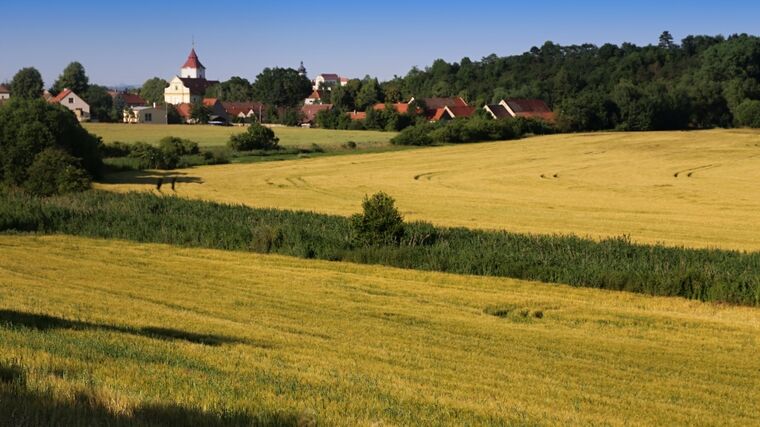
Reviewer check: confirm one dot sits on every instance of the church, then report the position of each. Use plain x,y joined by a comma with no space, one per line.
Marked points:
190,86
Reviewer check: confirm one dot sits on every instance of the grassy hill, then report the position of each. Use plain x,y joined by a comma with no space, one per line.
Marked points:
679,188
128,333
217,136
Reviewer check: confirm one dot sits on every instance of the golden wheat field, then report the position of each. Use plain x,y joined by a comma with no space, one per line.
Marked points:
698,189
125,329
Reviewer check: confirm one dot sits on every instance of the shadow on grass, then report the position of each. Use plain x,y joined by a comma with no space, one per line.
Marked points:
142,177
44,322
22,407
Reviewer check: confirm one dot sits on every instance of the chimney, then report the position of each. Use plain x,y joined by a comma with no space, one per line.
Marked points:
154,105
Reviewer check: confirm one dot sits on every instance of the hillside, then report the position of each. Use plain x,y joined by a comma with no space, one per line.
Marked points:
680,188
124,333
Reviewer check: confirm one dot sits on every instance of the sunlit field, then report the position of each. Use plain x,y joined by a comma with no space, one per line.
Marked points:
697,189
217,136
119,333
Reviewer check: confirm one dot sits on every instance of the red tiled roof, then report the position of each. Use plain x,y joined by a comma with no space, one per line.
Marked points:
528,106
357,115
310,111
210,102
439,112
400,107
192,61
132,100
4,89
184,110
235,108
58,98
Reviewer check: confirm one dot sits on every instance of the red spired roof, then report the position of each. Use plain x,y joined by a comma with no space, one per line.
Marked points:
60,96
192,61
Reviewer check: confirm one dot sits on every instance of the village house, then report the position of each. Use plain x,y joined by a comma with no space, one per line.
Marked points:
309,113
190,86
435,108
146,115
244,111
528,108
327,81
129,99
5,93
73,102
317,97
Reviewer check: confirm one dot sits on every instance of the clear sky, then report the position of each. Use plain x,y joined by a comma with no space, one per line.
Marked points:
128,42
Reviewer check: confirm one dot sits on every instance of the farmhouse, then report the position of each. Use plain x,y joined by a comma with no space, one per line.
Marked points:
529,108
317,97
327,81
129,99
190,86
242,111
73,102
497,111
5,92
309,113
146,115
435,108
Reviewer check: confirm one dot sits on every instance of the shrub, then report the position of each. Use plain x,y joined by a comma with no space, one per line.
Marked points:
257,137
747,114
178,146
351,145
56,172
414,135
150,157
116,149
380,224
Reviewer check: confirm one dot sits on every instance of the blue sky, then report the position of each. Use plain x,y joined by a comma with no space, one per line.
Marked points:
128,42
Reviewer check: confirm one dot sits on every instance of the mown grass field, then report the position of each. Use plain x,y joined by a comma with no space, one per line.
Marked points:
680,188
217,136
121,332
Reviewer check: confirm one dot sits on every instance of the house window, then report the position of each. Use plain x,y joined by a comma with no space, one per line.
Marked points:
148,117
71,100
176,87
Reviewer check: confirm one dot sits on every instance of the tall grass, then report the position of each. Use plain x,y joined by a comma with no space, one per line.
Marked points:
615,264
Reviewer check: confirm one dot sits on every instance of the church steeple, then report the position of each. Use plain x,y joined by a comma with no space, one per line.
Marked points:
302,70
193,68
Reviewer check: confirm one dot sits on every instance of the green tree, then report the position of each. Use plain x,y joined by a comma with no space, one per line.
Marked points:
369,94
666,40
380,223
73,77
236,89
748,114
101,102
257,137
200,113
153,90
27,84
55,171
281,87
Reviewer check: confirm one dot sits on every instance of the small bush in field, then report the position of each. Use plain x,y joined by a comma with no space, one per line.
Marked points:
56,172
173,145
257,137
380,224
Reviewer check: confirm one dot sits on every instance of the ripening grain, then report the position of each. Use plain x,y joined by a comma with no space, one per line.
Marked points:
184,332
698,189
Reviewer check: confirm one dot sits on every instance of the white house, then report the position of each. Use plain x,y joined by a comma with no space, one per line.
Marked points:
73,102
5,92
327,81
146,115
190,86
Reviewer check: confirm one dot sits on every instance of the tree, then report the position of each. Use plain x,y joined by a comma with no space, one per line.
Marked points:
28,128
666,40
74,78
55,171
236,89
748,114
153,90
380,223
101,102
281,87
369,94
27,84
200,113
257,137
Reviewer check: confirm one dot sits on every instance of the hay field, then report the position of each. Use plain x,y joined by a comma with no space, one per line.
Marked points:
698,189
115,330
217,136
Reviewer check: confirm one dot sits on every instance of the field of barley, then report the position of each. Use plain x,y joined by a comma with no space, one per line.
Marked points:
121,333
217,136
696,189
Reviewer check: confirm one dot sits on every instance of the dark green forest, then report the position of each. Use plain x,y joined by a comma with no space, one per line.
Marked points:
703,82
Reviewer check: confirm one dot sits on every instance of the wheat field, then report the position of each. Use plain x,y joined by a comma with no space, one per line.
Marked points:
697,189
217,136
209,336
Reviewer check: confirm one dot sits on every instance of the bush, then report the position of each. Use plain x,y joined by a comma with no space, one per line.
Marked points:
178,146
29,127
56,172
116,149
414,135
380,224
257,137
150,157
747,114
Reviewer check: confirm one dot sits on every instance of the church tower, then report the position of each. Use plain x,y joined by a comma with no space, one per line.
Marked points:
193,68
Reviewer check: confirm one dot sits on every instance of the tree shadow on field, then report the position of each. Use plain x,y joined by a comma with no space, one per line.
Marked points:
42,322
22,407
151,178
